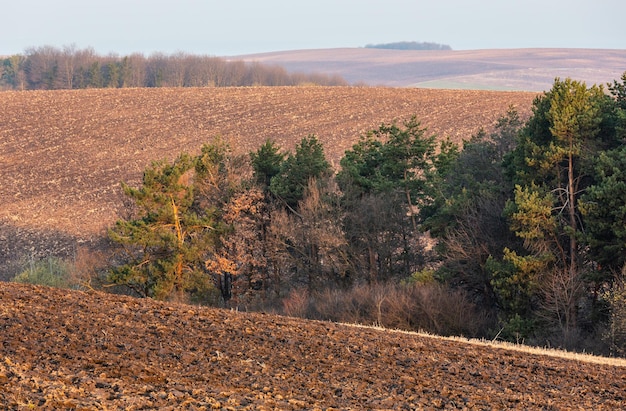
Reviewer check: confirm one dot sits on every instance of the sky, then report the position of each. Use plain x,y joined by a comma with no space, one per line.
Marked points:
237,27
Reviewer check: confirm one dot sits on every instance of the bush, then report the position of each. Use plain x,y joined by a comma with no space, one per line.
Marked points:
421,277
615,335
429,307
84,271
517,329
296,303
51,272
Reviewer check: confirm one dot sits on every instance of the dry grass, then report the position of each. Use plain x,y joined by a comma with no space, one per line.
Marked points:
504,345
64,153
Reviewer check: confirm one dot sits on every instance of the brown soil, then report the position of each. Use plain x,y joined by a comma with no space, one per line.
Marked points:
92,351
64,153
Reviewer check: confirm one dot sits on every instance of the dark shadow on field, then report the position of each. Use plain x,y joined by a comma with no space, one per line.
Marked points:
21,245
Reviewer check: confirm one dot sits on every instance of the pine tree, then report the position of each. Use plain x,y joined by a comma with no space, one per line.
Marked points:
164,245
386,178
551,167
465,215
266,162
297,169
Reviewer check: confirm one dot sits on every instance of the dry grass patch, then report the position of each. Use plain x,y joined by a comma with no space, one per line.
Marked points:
505,345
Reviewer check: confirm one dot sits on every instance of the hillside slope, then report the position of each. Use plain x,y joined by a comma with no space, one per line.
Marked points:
75,350
493,69
64,153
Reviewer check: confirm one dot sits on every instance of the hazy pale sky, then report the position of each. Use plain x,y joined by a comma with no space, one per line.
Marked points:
232,27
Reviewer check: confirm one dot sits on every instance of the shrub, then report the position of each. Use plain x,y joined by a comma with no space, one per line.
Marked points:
615,335
517,329
429,307
85,270
51,272
295,304
421,277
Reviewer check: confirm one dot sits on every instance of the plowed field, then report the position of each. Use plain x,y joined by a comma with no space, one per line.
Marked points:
91,351
489,69
63,153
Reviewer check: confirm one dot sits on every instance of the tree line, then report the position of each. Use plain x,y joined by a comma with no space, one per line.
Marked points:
270,220
409,45
51,68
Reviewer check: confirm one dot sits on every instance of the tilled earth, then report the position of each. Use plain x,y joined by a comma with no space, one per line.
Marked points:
66,349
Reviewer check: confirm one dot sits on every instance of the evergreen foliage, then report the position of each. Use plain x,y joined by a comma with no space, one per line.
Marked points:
51,272
466,212
571,124
603,207
166,243
390,158
385,178
292,179
266,162
532,223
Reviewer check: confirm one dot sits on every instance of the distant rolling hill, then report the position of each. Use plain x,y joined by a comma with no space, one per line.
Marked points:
500,69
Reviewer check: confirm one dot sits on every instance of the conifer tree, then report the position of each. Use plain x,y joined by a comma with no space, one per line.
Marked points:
297,169
465,215
164,245
603,207
266,162
386,178
550,166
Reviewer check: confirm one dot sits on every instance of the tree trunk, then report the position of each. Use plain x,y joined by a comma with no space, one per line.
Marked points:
373,266
180,242
570,315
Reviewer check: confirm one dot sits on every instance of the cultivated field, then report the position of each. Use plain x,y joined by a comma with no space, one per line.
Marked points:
63,153
91,351
493,69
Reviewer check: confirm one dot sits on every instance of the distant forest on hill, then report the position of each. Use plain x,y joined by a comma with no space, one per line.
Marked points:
50,68
409,45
